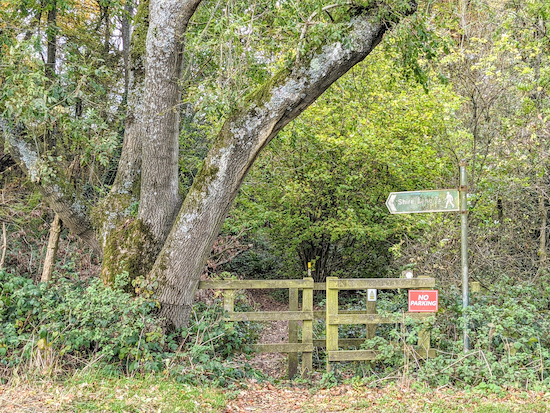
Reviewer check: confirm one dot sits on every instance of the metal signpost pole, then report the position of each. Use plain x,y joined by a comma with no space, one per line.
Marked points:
464,247
440,200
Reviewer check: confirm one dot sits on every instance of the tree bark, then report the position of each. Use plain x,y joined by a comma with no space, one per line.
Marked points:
543,255
160,198
51,34
4,238
51,251
116,211
179,264
126,31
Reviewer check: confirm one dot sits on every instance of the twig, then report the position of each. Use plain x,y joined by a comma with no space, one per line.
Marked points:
541,361
486,362
87,366
4,235
310,23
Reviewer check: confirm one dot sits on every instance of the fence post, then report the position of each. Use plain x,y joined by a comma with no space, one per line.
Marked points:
292,332
228,303
307,328
332,310
424,342
424,337
371,328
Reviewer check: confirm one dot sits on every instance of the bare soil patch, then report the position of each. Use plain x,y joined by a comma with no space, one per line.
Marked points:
271,364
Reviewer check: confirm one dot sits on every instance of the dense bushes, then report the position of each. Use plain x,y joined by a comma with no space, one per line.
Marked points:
509,331
77,318
509,335
74,323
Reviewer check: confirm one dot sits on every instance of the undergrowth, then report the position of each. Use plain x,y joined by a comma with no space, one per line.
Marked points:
509,336
71,324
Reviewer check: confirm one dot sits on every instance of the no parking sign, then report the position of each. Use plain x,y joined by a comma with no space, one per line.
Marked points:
423,301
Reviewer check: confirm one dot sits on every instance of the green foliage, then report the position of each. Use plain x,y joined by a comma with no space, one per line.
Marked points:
509,332
496,65
223,338
509,335
317,193
76,318
70,118
41,325
209,345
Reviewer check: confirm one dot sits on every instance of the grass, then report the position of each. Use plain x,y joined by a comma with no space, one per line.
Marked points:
98,392
398,399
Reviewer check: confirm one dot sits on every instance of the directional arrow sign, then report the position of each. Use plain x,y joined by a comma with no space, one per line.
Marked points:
442,200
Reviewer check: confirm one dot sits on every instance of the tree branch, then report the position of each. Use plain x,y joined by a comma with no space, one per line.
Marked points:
59,194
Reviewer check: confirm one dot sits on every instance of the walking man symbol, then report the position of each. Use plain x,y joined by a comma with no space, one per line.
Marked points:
449,201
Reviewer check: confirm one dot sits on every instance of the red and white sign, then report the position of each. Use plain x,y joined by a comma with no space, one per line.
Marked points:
423,301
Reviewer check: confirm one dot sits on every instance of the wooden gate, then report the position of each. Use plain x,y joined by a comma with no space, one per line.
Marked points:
332,316
293,347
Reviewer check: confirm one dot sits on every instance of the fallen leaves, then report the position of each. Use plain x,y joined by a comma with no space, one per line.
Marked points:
267,398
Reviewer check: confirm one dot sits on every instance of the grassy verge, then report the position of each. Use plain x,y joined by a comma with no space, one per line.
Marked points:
396,399
97,392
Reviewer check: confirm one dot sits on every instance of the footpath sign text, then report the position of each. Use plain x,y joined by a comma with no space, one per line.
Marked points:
411,202
423,301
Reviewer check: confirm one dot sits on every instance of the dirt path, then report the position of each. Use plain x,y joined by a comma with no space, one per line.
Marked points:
271,364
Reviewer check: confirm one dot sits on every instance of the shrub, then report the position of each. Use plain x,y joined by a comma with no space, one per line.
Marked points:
77,318
74,323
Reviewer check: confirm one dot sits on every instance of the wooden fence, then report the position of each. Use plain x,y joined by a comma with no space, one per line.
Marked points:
293,347
332,316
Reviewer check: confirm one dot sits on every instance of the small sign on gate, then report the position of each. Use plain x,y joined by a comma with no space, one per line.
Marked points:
423,301
371,294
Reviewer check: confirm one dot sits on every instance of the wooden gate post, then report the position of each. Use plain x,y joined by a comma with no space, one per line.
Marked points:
229,303
307,328
424,338
332,311
371,328
292,332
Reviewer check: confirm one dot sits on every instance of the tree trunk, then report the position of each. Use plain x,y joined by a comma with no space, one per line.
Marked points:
4,238
126,30
120,235
179,264
51,251
160,198
542,253
51,35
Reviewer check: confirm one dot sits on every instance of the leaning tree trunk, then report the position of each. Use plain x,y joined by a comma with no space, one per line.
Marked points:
179,264
60,195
